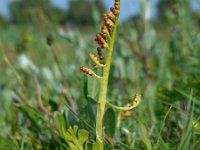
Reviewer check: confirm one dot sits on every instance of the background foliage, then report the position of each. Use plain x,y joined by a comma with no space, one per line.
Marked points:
47,103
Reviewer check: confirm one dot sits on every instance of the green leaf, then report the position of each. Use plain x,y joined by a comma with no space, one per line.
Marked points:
70,135
85,88
30,110
91,146
64,114
84,93
185,141
83,135
163,145
91,100
94,146
60,122
72,146
91,108
31,113
110,122
72,119
76,138
75,129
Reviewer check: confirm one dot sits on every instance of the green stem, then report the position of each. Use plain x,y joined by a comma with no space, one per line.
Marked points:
103,91
19,79
126,108
65,83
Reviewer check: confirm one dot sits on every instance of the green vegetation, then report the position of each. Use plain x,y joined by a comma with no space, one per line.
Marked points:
48,103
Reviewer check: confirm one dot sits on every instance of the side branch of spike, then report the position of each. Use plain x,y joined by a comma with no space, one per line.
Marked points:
96,60
90,72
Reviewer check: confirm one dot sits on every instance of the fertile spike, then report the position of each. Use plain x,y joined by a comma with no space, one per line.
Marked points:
100,38
111,16
100,53
114,11
109,23
105,30
96,60
86,70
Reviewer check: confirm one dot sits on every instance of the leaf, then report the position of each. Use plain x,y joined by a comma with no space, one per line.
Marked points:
85,88
84,93
110,122
185,141
76,137
60,122
29,109
72,146
94,146
163,145
83,135
91,146
69,135
91,108
75,129
32,114
93,87
91,100
64,114
72,119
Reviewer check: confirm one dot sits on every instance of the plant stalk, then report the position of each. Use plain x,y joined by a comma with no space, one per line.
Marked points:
103,91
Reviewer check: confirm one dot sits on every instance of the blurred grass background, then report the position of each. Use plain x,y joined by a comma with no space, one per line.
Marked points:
158,57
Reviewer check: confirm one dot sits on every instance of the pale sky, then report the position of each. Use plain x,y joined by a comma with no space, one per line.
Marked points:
128,7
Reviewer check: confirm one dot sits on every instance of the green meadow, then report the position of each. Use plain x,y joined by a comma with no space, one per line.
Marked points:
48,103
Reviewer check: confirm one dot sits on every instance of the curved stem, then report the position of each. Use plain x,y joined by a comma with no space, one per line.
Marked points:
122,108
97,62
103,91
95,75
